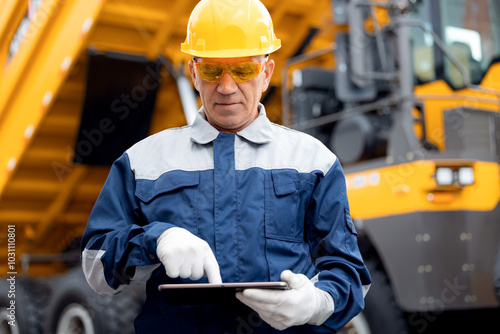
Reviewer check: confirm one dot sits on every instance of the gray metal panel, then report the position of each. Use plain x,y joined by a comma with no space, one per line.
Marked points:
471,130
439,260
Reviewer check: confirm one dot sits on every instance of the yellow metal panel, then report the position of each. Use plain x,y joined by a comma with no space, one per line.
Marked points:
37,72
59,203
410,187
438,97
11,14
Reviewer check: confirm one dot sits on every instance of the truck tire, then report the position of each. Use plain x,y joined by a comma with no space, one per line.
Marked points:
381,311
358,325
76,308
28,296
496,275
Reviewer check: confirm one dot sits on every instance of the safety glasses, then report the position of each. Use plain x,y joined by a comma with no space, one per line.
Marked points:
240,72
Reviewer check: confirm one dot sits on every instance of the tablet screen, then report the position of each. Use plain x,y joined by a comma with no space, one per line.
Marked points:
209,293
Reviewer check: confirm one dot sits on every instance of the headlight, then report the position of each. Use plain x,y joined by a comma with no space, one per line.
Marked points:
465,176
454,176
444,176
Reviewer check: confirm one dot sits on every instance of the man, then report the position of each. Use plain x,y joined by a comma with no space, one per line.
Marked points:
232,198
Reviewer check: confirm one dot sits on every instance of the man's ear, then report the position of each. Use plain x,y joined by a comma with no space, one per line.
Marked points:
193,74
268,72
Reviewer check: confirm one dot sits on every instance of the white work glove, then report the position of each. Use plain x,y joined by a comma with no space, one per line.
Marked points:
302,304
184,254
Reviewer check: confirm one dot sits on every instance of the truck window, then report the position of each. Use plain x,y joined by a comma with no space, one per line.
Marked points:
470,29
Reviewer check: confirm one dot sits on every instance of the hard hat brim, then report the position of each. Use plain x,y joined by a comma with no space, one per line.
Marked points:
232,53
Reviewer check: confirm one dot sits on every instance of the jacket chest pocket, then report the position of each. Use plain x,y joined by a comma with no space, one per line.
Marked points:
287,196
172,198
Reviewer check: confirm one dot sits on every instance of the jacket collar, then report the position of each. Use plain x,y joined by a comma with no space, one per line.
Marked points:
257,132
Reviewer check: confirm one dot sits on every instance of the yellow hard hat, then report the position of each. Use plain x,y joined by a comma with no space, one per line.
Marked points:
229,29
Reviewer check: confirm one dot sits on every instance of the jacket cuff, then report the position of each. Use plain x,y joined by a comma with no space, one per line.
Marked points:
152,232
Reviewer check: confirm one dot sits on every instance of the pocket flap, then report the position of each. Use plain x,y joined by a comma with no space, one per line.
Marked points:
283,183
146,190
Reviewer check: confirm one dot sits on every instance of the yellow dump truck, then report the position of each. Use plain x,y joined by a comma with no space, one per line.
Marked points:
405,92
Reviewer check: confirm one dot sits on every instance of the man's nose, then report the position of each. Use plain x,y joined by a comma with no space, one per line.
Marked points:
227,85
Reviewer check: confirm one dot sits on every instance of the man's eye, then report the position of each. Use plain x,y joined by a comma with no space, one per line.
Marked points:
242,69
245,76
211,70
243,72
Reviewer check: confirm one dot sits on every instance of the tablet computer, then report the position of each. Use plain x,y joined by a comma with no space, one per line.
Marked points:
210,293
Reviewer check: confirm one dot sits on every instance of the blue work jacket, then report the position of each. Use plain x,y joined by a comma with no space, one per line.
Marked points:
266,199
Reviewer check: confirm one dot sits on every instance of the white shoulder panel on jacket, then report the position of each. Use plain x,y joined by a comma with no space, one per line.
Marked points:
288,149
167,151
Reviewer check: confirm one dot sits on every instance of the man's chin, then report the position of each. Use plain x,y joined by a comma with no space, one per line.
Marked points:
233,107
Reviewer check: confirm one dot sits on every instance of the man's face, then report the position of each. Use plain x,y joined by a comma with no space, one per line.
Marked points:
229,105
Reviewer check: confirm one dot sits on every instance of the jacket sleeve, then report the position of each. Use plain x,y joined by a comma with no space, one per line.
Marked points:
119,244
333,241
